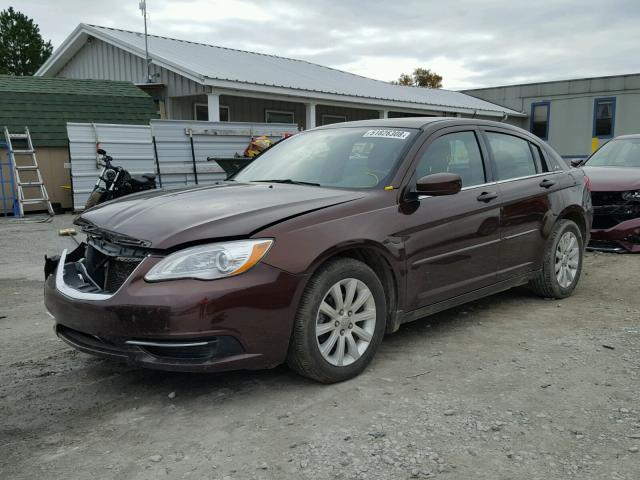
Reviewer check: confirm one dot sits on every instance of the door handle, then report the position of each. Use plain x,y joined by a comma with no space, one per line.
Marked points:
546,183
487,196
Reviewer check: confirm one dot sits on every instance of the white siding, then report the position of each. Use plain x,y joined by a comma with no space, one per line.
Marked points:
102,61
131,147
571,111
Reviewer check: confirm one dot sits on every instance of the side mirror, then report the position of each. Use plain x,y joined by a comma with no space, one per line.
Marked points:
101,151
576,162
438,184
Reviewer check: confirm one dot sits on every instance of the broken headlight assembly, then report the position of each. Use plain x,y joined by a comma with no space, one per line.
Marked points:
631,195
212,261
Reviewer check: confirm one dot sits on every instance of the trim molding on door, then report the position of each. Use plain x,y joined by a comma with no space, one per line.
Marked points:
527,232
454,252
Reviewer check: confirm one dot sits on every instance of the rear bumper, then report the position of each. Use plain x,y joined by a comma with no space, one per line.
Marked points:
241,322
624,236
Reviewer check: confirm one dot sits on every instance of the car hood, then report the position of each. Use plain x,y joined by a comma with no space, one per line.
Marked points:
163,219
613,179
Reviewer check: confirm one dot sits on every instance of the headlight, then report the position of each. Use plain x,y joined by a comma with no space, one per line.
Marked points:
632,195
212,261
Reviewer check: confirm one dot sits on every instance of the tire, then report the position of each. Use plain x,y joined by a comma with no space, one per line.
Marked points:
549,283
314,330
94,199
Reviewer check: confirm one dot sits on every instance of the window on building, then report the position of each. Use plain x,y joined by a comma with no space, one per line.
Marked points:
277,116
455,153
604,116
225,114
540,119
201,112
512,156
329,119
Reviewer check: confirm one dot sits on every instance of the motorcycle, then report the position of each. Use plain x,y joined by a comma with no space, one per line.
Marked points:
116,182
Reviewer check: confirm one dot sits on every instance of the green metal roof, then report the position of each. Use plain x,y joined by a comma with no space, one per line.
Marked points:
45,105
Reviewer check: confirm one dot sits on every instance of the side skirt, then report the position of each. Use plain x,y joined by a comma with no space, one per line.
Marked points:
406,317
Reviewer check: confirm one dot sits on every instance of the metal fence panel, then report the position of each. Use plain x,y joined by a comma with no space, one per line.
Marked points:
210,139
131,147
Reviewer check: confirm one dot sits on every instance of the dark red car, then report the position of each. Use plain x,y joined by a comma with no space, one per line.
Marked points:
321,245
614,170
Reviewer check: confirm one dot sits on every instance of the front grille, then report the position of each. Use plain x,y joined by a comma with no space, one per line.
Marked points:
604,222
110,265
611,208
117,273
607,198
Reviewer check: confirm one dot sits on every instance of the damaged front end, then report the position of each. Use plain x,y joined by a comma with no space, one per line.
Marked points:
616,222
99,266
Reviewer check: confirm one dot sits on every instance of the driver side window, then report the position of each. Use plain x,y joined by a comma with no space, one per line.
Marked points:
454,153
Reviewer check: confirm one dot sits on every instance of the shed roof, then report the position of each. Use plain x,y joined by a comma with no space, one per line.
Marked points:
208,63
45,105
52,85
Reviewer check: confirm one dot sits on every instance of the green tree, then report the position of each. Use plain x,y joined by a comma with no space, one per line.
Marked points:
421,77
22,48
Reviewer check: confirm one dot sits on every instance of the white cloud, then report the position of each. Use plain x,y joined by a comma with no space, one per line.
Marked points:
468,43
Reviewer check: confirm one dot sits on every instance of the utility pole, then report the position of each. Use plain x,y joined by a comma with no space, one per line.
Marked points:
143,9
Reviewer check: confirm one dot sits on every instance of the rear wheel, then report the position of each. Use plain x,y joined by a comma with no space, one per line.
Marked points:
340,322
562,263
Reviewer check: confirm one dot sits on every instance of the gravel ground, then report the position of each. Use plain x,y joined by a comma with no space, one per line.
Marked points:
512,386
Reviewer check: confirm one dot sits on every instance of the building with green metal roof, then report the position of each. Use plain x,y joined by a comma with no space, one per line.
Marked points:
45,105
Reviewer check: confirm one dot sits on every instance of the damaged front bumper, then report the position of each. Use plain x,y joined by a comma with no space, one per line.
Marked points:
241,322
623,237
616,222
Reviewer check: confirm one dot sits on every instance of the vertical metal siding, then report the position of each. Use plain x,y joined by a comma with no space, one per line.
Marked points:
131,147
102,61
174,148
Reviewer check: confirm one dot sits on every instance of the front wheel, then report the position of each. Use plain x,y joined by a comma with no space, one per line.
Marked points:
94,198
340,322
562,263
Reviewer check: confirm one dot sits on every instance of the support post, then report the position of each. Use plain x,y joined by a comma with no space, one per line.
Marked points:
310,115
193,157
155,152
384,113
213,103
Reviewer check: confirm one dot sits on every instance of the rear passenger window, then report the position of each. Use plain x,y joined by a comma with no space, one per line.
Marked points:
541,164
512,155
455,153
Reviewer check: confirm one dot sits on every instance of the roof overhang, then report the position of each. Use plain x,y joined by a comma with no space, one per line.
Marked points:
229,87
83,32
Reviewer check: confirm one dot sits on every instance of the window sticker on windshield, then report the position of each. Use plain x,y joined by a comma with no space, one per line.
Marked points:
381,133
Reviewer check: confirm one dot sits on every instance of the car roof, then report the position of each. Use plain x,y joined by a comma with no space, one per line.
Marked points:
634,136
417,122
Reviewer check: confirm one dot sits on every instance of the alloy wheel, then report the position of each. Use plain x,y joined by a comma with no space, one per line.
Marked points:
345,322
567,259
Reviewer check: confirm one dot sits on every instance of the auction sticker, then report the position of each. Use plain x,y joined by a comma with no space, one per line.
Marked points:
384,133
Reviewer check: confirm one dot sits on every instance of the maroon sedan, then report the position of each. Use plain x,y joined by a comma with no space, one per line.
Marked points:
614,171
325,242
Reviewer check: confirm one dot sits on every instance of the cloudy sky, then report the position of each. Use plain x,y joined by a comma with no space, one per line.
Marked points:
470,43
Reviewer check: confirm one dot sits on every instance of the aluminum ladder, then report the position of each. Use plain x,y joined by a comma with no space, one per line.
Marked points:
35,181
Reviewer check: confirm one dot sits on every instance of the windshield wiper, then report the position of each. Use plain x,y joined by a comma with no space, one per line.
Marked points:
288,180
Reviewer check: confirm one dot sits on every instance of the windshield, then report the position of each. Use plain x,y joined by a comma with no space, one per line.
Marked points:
335,157
617,153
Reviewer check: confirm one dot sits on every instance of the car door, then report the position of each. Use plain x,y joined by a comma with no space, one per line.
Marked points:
451,244
524,185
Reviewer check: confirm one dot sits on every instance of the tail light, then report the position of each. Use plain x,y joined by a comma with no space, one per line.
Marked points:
587,183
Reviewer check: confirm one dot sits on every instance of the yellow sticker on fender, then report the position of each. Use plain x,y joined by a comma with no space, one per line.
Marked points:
383,133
